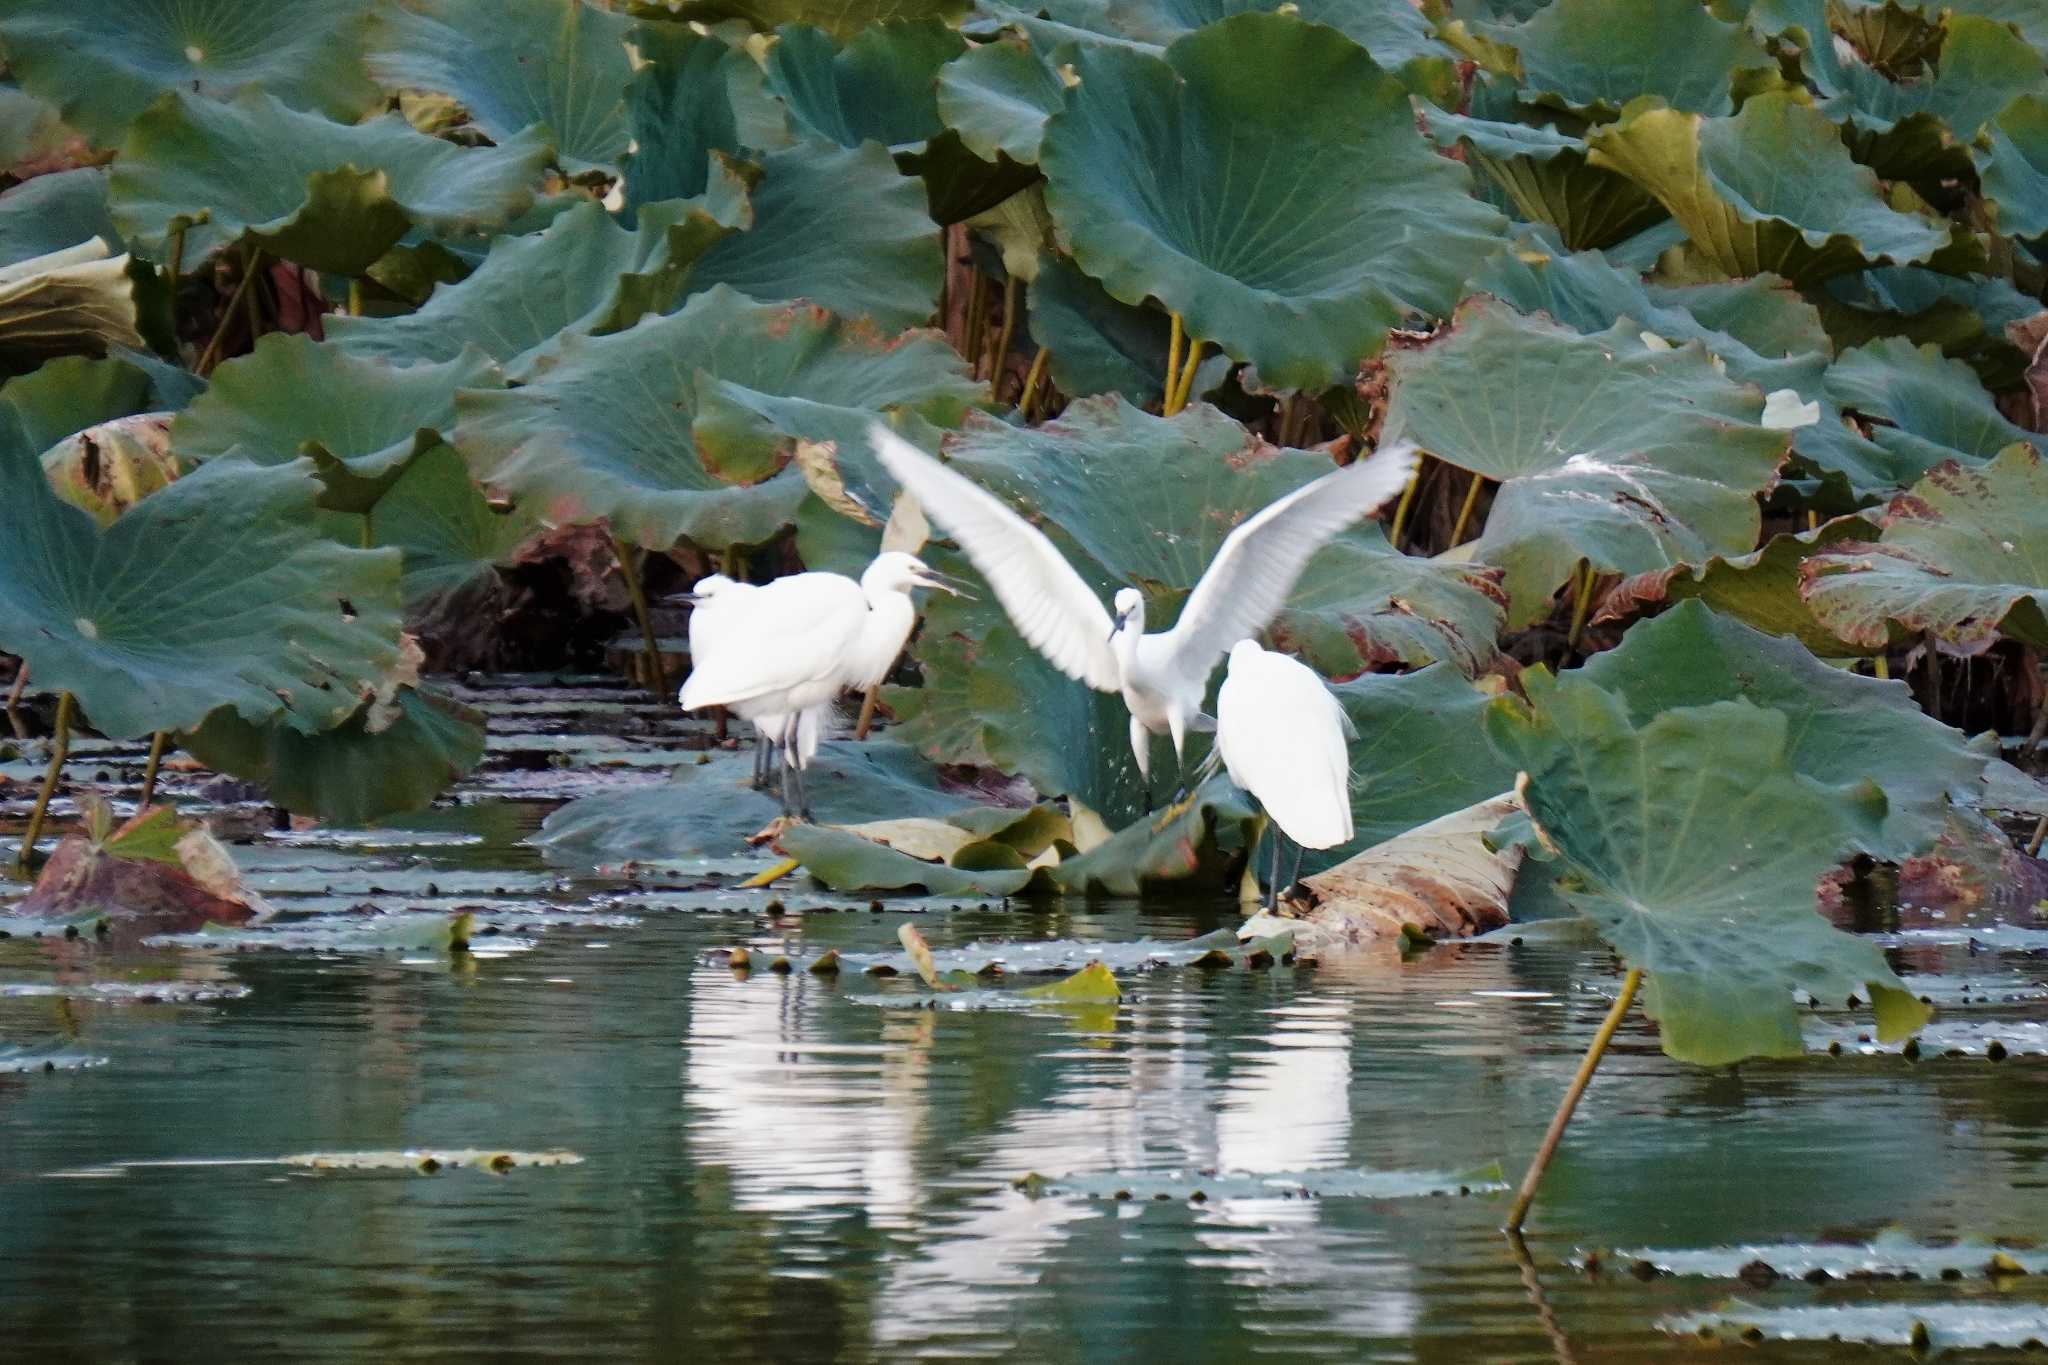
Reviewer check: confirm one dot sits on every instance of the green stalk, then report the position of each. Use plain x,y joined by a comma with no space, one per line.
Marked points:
1188,367
1027,401
977,322
1013,289
657,683
1176,340
1407,502
1465,512
156,758
355,298
1584,604
208,356
1587,1065
254,297
60,745
13,707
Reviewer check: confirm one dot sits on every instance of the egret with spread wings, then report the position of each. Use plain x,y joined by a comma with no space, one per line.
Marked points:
1163,676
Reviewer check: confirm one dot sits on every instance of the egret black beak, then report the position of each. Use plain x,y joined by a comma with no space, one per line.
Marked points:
1116,627
680,599
932,578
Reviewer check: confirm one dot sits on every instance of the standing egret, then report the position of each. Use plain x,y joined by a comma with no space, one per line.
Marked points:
791,645
716,602
1281,737
1164,676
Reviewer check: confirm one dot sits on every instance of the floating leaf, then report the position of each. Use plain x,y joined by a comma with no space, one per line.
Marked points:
618,427
1925,1327
1327,1184
327,195
1093,984
1598,55
846,861
1349,223
514,64
103,68
1639,811
156,870
1888,1256
1629,458
1964,557
430,1161
1196,835
1439,878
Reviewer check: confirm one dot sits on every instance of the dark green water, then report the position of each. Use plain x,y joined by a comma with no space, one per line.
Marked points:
777,1168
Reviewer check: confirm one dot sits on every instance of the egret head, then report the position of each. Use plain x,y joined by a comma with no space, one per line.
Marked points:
1245,651
1130,608
895,571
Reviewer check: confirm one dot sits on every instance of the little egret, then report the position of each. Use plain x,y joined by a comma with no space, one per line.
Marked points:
791,645
1164,676
716,602
1281,737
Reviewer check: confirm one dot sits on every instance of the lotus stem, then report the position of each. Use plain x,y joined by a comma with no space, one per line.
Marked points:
1027,399
254,297
867,712
1188,367
355,298
2040,726
1465,512
1176,341
657,684
171,273
1587,1065
209,356
1881,665
1583,605
60,745
156,758
14,701
1407,501
2040,833
977,322
1013,292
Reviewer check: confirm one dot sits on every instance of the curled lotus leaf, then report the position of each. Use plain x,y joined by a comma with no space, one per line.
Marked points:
1771,188
683,425
693,96
846,861
110,466
103,74
1199,836
2012,164
1292,236
1963,557
1844,729
880,87
1598,55
1636,811
1632,459
1924,408
515,64
1545,174
77,299
1442,878
218,590
328,195
997,97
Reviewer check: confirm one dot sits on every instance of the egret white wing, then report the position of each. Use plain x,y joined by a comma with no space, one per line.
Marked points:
1055,611
1247,583
790,632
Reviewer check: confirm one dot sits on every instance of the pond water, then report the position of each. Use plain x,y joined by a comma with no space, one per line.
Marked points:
794,1167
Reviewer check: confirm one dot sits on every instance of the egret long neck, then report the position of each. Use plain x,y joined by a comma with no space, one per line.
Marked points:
890,617
1124,644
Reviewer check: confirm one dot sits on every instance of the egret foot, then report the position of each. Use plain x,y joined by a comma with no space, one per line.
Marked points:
1174,812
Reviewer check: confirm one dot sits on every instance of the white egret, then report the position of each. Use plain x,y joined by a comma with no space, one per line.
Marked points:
1163,676
1281,734
791,645
716,603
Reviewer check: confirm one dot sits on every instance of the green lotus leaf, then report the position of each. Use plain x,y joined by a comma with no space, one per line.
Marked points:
450,535
514,64
880,87
1545,175
1292,235
845,861
1760,588
1098,345
694,96
581,275
103,67
2023,16
1629,458
708,809
52,212
997,97
294,396
841,20
1601,54
2013,166
1964,558
1362,603
1844,728
1638,811
1916,128
1934,408
1421,753
838,226
1770,189
72,393
216,591
327,195
350,774
613,429
1193,838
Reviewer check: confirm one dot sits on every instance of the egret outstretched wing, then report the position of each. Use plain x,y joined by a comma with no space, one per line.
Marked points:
1247,583
1055,611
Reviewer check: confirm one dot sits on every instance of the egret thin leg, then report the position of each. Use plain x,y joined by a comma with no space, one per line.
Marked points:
1273,881
156,758
1294,872
60,745
1527,1194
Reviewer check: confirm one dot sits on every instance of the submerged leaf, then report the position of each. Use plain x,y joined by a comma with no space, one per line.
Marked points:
1093,984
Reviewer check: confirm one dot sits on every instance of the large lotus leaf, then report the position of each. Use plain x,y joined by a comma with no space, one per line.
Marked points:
583,274
615,428
1182,841
1629,458
1760,588
1911,129
72,393
998,96
1935,407
843,19
327,195
1362,603
1098,345
2013,167
1545,175
55,211
881,87
78,299
1600,54
838,226
1421,753
1700,851
104,64
450,535
215,591
1770,189
695,96
294,396
513,64
1292,234
708,808
1964,557
350,774
1843,728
